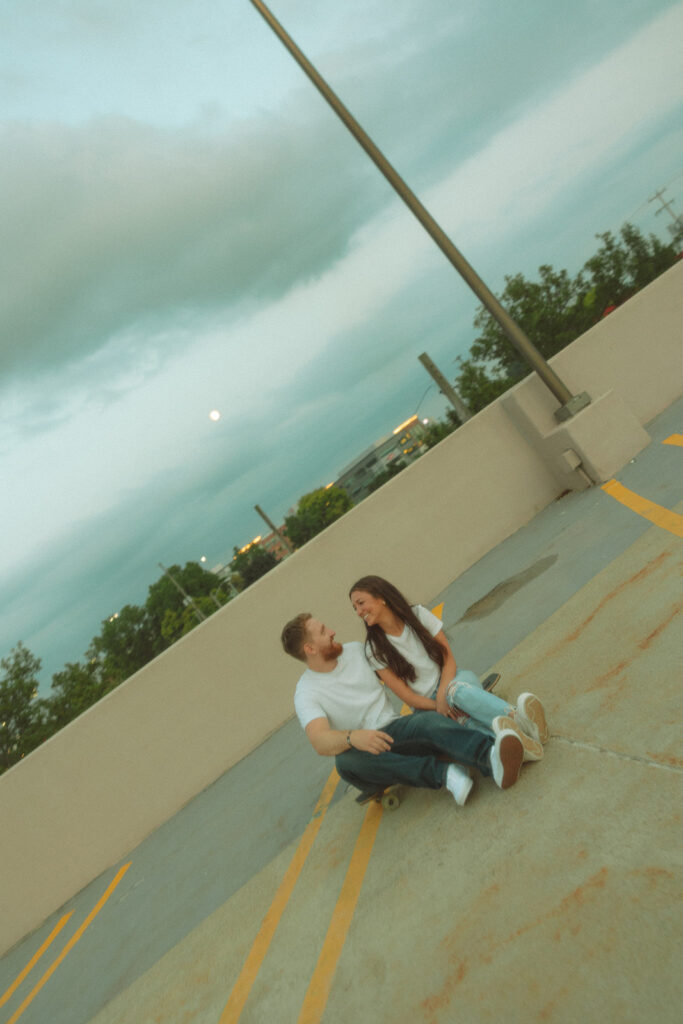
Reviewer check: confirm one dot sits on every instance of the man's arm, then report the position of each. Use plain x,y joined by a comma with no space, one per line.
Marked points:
328,741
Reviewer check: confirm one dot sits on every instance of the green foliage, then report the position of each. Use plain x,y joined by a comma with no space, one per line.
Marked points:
392,470
76,688
250,565
315,512
438,429
556,309
126,642
164,595
22,713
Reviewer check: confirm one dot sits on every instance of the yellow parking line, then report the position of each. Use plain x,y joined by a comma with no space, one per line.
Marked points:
245,981
321,981
35,958
674,439
71,943
657,514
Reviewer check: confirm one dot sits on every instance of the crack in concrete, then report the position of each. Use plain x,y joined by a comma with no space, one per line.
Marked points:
639,758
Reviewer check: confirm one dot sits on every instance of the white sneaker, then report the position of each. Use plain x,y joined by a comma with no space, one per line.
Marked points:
507,755
458,783
533,751
530,715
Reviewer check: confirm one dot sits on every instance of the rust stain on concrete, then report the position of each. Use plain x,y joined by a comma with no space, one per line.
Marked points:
570,638
433,1005
577,898
645,643
675,762
637,577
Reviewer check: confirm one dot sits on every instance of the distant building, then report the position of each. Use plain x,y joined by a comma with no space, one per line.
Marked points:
405,443
275,544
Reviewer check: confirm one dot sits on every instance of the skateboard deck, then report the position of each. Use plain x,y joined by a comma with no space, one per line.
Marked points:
388,796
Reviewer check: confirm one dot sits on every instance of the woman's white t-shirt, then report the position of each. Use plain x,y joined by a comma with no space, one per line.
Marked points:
427,672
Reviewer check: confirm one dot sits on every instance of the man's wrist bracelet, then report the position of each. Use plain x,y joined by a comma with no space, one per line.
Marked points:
348,739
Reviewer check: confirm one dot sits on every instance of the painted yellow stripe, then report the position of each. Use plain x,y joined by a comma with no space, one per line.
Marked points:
245,981
674,439
71,943
657,514
321,981
35,958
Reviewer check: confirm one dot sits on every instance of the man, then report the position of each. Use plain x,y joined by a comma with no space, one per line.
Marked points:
346,714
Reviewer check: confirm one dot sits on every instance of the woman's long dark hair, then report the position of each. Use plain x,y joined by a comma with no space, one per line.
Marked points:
379,643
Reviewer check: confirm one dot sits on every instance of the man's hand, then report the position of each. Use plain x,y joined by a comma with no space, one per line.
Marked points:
372,741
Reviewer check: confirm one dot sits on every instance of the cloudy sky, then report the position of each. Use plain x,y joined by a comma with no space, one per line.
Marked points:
186,227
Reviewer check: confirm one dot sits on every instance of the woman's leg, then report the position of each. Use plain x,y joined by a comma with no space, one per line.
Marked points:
465,693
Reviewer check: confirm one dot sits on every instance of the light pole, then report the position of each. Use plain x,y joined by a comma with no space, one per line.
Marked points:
569,404
198,612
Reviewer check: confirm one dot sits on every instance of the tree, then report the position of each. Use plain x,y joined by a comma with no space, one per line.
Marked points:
250,565
164,595
556,309
315,512
126,642
438,429
22,713
76,688
392,470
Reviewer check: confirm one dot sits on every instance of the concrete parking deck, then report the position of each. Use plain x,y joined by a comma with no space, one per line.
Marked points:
273,897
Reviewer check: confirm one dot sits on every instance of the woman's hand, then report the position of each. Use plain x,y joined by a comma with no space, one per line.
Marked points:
443,707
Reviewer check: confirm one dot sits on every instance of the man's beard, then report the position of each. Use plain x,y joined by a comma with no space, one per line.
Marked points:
333,651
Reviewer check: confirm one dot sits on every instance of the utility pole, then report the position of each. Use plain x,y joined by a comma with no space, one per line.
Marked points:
449,392
200,615
283,536
569,404
665,206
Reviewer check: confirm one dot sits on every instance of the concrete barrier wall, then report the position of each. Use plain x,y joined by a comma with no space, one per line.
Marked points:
85,798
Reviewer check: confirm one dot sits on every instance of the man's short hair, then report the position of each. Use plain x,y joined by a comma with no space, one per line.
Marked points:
294,635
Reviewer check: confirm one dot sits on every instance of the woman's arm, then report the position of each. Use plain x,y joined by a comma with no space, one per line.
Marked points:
447,675
405,692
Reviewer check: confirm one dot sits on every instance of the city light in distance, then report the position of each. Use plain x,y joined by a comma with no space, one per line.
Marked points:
214,415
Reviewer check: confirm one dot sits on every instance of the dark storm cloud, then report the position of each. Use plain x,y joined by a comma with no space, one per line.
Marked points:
116,224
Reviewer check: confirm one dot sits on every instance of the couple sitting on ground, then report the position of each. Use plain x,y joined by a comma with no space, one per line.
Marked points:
347,714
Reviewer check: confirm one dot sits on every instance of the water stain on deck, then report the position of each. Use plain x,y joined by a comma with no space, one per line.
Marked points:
500,593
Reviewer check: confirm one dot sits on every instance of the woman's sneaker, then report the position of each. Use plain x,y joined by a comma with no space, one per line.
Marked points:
530,715
507,755
458,783
533,751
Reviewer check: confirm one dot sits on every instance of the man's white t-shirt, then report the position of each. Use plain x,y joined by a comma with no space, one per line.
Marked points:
349,697
427,672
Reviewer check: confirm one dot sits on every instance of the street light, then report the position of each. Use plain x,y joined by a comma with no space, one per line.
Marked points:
569,404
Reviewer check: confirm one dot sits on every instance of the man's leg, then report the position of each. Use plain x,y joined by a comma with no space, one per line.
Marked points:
371,772
467,746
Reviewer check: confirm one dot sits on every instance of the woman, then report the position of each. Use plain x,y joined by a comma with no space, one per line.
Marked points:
410,652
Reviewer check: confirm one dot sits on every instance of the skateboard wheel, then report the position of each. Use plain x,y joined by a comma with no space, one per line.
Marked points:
390,801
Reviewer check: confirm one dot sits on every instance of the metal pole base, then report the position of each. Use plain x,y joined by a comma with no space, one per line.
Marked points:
574,405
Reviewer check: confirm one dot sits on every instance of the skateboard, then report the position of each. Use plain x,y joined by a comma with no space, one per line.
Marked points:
388,796
491,681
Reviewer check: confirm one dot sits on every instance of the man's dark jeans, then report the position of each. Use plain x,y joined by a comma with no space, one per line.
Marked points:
412,760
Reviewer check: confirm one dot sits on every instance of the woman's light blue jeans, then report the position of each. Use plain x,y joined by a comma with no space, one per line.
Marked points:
465,693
